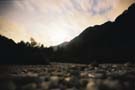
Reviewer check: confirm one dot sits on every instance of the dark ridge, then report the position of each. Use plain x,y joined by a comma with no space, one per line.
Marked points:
22,53
111,42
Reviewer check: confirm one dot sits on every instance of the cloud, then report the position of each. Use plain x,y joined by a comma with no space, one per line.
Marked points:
5,5
39,18
101,6
12,30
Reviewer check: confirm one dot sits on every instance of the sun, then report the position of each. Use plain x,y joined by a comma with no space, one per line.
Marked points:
59,36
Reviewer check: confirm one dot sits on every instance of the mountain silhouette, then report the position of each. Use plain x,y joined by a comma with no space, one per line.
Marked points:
109,42
22,53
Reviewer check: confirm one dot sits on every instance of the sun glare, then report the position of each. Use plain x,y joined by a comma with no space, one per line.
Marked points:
59,37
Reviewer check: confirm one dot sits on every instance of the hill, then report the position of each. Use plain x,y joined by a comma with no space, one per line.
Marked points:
22,53
111,42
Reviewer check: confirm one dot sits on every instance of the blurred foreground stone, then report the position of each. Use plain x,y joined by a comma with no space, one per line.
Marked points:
60,76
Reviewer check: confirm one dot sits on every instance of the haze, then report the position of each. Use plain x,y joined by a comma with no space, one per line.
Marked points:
52,22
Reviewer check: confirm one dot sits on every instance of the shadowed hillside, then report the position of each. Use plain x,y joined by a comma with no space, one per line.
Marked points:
22,53
109,42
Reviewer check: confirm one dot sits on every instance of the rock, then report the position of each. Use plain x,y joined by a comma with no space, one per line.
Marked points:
75,73
73,82
84,74
54,78
30,86
111,85
90,75
54,82
99,75
114,66
83,83
67,79
103,77
45,85
91,85
7,85
30,74
72,88
128,64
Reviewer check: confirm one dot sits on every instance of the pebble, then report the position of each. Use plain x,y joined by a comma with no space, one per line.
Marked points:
71,77
91,85
30,86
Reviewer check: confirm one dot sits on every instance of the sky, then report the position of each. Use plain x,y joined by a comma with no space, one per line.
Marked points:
52,22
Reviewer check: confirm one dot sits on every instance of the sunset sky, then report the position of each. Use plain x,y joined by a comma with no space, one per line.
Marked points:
52,22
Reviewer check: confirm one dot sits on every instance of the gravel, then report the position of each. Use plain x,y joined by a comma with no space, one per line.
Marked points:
62,76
